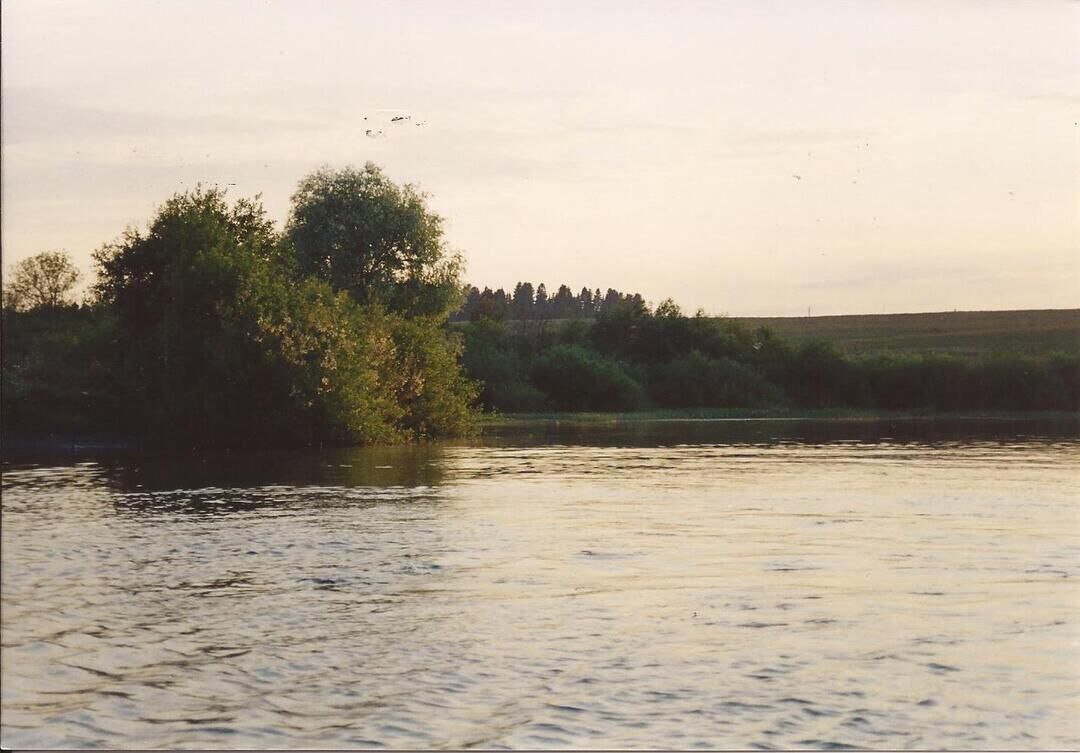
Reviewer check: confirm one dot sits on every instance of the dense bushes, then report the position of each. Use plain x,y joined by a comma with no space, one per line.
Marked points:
208,329
1000,382
57,373
212,328
817,376
634,358
281,359
577,379
223,345
434,395
498,361
693,381
629,359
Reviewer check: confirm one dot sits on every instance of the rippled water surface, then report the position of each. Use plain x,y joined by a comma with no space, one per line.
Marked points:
787,586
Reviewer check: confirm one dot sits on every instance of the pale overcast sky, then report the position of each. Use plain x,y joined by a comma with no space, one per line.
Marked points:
751,158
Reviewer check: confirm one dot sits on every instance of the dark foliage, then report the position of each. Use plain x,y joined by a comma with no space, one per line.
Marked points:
210,328
499,362
577,379
528,303
208,331
695,380
378,240
57,374
677,361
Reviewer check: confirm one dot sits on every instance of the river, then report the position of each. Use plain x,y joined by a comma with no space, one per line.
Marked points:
683,585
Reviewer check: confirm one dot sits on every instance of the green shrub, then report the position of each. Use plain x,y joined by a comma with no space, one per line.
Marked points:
575,378
817,376
695,381
57,375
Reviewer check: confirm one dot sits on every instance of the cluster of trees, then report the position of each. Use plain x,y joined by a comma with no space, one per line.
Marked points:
628,358
213,328
529,303
633,358
44,281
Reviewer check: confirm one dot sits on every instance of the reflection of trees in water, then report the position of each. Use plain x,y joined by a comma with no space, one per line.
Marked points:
223,482
633,432
224,501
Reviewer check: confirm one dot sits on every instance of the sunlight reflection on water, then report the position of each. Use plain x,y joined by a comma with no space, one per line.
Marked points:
535,590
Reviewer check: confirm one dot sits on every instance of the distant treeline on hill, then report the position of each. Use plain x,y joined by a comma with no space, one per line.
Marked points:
630,357
527,302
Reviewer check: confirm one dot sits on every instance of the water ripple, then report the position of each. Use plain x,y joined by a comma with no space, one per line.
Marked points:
860,594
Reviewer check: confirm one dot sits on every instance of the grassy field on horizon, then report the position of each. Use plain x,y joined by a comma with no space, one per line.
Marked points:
960,333
965,334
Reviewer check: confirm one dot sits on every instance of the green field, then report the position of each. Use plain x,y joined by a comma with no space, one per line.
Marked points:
967,334
959,333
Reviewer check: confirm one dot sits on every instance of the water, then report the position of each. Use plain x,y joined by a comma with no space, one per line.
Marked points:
708,585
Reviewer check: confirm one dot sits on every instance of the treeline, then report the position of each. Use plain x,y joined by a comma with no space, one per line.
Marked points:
634,358
213,328
528,303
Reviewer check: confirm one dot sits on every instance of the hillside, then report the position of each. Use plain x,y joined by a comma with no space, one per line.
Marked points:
960,333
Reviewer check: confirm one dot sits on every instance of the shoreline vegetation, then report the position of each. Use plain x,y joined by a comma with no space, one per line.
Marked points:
212,328
493,423
352,325
719,415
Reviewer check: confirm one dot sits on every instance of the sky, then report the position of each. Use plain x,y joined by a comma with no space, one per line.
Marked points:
757,158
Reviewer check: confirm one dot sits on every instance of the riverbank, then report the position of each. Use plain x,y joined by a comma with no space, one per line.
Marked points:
768,414
1064,422
754,427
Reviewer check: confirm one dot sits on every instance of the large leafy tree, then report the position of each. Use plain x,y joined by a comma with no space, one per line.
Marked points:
221,343
378,240
224,339
46,280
